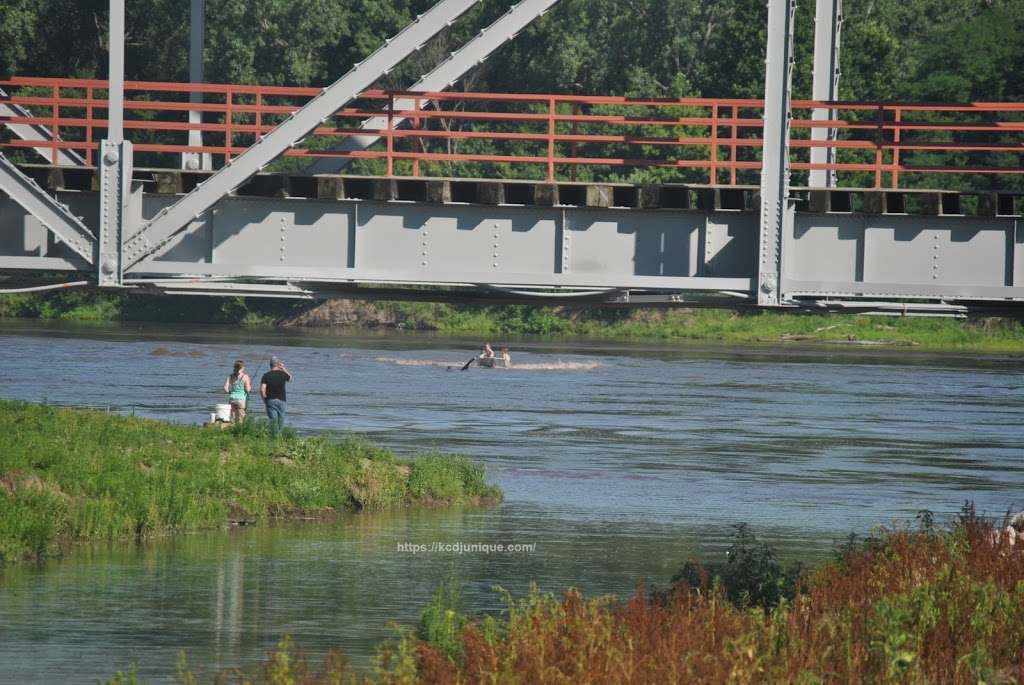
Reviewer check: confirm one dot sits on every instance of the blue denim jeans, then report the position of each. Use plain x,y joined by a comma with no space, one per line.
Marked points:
275,412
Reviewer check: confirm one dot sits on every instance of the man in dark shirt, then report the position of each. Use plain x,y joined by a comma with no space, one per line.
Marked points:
272,390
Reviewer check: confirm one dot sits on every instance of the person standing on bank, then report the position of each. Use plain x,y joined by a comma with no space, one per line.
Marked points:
238,386
272,390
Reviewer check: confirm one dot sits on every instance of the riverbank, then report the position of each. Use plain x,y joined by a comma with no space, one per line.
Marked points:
910,606
70,475
716,326
504,322
913,606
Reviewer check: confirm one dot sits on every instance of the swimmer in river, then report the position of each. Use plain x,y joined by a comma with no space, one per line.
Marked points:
506,358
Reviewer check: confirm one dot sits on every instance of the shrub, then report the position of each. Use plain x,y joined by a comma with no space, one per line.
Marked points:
442,622
751,575
448,477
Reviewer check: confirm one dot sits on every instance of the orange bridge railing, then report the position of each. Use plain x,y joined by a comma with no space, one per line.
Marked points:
545,137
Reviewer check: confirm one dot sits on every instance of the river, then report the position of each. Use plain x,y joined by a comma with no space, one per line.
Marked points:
618,461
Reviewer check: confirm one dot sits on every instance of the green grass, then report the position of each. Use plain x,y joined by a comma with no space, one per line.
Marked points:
712,326
716,326
71,475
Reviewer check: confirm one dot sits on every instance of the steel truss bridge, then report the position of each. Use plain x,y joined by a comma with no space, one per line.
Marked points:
197,188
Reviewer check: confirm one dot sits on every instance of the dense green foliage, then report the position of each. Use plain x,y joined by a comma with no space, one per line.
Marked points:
947,50
68,475
892,50
96,305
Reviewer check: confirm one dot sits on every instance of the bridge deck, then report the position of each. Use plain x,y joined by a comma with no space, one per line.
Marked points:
432,214
915,201
302,236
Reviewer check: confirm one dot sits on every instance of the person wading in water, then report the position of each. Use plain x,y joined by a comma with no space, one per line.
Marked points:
272,390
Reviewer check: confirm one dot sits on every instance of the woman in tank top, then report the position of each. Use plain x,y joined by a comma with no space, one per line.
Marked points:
238,386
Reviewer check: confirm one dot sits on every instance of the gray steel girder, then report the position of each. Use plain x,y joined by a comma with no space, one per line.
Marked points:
440,78
508,246
52,214
326,243
290,132
905,256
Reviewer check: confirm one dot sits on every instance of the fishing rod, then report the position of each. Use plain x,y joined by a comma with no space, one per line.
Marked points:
247,394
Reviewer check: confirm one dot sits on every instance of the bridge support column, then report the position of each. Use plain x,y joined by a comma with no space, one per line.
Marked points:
828,22
776,213
115,163
196,160
115,184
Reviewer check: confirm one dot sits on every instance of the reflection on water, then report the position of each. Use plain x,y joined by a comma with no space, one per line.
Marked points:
618,463
226,597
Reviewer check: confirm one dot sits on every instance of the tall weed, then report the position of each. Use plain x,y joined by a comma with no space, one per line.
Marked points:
913,606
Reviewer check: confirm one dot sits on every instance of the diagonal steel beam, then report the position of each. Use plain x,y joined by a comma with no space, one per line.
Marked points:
52,214
36,132
440,78
172,220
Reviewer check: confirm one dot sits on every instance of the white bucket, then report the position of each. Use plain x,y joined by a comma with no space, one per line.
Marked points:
223,412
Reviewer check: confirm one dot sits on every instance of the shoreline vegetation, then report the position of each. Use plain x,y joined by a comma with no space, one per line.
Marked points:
74,475
912,605
714,326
